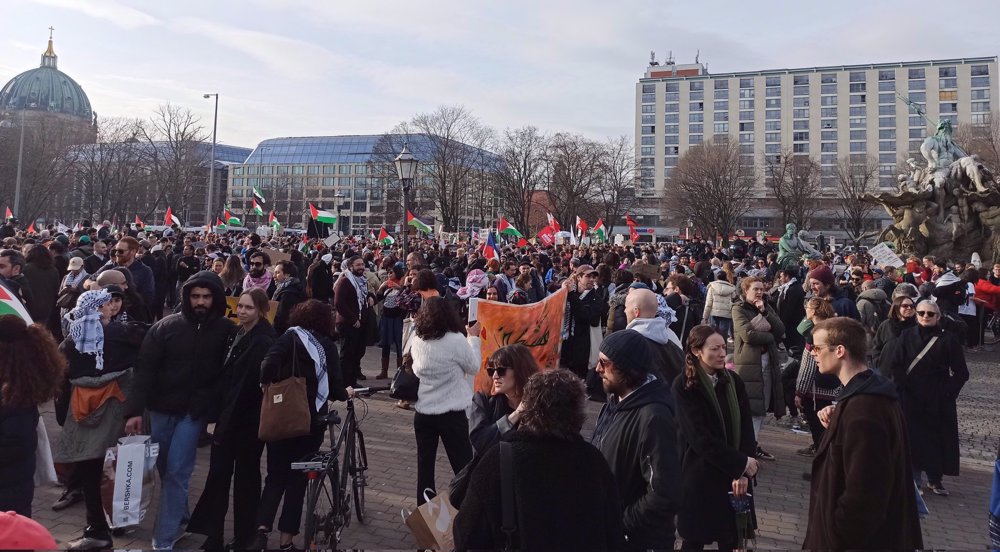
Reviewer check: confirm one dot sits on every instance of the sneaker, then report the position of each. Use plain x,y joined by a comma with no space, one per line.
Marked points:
764,455
69,497
259,541
92,539
937,488
809,451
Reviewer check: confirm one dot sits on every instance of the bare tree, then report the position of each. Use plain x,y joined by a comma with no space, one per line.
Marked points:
574,170
615,191
857,176
982,140
176,162
794,182
108,178
712,186
520,172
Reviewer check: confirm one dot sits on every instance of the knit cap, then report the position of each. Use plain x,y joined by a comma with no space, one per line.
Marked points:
822,274
627,348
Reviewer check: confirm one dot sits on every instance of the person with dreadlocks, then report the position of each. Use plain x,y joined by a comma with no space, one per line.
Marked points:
717,445
101,354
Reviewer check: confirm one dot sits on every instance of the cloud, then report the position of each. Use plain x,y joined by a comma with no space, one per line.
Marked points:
107,10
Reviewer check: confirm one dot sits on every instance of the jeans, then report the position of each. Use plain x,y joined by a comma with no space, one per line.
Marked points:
178,440
725,325
281,481
453,430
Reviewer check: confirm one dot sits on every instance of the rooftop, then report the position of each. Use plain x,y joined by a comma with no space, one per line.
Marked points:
354,149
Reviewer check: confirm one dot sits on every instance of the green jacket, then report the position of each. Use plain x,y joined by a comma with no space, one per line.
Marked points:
748,348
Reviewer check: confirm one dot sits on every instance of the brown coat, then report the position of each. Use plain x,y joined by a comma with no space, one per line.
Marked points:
862,494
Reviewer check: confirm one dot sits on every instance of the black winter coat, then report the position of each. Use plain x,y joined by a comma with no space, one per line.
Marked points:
239,387
708,463
488,421
287,355
584,313
287,297
928,394
18,439
565,499
639,440
181,358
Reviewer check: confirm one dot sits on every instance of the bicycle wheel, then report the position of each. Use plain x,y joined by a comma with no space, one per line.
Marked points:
359,467
344,494
320,516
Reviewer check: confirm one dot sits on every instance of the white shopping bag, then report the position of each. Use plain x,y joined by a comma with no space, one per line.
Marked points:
129,480
45,469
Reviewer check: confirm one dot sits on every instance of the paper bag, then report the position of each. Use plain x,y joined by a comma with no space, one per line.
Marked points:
129,480
431,524
45,469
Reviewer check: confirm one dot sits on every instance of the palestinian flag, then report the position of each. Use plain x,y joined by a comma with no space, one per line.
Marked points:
273,221
256,208
384,238
170,219
523,242
31,227
259,197
552,222
231,220
139,223
8,215
219,225
417,223
505,227
600,232
320,215
304,246
581,225
9,304
371,235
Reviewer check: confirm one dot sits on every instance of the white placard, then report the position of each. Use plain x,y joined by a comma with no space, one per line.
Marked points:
473,308
885,256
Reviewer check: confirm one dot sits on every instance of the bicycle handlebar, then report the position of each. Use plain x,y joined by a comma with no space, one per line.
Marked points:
368,391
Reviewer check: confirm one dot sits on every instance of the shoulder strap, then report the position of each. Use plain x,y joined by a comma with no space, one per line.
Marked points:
921,354
508,524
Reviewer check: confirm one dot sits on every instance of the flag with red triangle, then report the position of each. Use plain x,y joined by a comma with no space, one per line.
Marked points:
489,249
170,218
599,231
10,304
256,208
8,215
384,238
505,227
632,233
413,221
522,242
273,220
138,222
31,227
552,222
219,225
581,225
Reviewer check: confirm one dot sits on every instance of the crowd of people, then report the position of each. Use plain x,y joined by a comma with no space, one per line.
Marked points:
688,346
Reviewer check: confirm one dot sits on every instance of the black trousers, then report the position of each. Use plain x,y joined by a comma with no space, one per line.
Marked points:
452,428
810,409
351,354
87,473
281,481
236,464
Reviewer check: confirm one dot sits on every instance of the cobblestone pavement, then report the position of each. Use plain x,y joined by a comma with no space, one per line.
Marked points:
782,497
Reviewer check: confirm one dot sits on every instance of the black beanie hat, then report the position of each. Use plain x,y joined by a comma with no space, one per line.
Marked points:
628,350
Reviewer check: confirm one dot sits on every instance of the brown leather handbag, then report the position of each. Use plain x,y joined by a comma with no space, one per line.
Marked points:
285,411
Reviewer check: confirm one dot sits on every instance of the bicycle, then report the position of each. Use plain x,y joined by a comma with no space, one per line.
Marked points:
328,502
992,324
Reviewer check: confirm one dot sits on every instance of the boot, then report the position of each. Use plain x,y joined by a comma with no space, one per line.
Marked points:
384,374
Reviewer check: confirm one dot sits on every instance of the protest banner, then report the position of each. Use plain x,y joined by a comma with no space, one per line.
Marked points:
231,310
885,256
537,326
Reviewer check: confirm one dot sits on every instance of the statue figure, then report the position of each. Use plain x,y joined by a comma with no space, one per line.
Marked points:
791,247
939,150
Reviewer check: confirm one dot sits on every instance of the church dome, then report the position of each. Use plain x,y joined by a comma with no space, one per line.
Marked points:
46,89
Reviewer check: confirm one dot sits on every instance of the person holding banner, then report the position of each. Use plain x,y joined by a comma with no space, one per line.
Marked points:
101,354
32,371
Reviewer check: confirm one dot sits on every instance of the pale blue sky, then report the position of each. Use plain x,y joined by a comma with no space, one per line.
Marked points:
323,67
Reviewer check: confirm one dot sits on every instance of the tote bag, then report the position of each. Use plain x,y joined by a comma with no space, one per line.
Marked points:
284,410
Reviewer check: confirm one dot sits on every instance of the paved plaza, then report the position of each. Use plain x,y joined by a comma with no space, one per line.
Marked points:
782,497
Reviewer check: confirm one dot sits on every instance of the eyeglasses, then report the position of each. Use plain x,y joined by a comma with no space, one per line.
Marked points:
603,362
928,314
256,264
120,251
819,348
499,370
906,305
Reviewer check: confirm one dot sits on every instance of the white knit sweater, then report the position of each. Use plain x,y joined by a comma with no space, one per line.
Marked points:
444,367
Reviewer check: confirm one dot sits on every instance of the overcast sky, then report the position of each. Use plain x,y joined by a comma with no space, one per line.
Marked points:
327,67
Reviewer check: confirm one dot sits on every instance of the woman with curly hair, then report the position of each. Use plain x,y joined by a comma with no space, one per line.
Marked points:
717,444
444,360
31,373
559,479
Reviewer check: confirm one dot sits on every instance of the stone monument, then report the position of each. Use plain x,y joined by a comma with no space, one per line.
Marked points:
949,208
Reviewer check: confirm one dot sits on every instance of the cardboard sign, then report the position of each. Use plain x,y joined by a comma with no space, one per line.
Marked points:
537,326
231,310
885,256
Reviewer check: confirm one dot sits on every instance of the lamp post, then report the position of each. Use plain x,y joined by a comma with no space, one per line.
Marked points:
406,169
17,184
211,168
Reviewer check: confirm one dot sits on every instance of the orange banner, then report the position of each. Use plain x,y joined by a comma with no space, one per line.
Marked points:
537,326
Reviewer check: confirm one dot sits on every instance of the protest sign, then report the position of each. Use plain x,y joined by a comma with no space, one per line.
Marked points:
884,255
231,310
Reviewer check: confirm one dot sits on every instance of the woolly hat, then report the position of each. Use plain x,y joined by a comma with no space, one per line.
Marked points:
20,533
822,274
628,349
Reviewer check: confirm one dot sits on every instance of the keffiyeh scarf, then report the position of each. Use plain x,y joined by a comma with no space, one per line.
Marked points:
85,327
361,285
263,282
318,356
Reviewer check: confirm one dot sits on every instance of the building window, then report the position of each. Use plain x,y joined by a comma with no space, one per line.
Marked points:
827,100
800,113
722,94
648,88
859,135
887,145
979,94
721,127
800,148
772,136
696,117
670,161
858,87
746,127
721,84
801,102
746,92
696,128
829,159
889,109
746,115
886,98
918,85
746,149
800,79
916,73
980,70
886,158
721,116
918,97
800,125
772,114
649,130
671,129
980,106
746,137
948,108
857,76
858,122
671,107
673,87
828,78
672,150
344,169
980,118
947,72
772,92
828,123
648,119
828,147
673,97
647,108
800,90
696,95
884,122
887,86
648,140
772,148
947,83
695,139
772,125
858,111
800,136
772,103
772,81
828,112
696,106
644,162
746,83
859,147
696,85
746,104
648,98
887,75
828,89
980,82
916,133
312,169
917,121
827,135
672,118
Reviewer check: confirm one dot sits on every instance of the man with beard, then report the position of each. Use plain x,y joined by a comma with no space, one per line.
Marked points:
124,254
177,372
288,292
258,275
351,297
635,431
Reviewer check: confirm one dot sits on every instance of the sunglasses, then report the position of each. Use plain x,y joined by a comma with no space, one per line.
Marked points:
120,251
499,371
928,314
256,264
906,306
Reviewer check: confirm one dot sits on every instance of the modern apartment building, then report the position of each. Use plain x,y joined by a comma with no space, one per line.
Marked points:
824,112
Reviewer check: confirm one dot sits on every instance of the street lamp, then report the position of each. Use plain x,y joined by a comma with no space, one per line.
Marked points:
211,168
406,169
